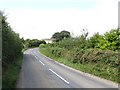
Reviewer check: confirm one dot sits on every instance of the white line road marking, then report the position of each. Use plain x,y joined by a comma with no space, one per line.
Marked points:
41,62
59,76
36,58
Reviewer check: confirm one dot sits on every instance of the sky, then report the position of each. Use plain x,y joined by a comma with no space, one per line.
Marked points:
40,19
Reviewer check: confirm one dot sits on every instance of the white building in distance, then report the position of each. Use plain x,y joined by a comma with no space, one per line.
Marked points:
48,40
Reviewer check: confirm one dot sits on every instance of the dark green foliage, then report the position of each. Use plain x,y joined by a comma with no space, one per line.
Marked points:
112,39
99,52
96,41
32,43
11,74
58,36
11,44
11,54
65,34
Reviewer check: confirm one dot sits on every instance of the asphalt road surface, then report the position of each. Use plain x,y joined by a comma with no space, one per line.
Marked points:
39,71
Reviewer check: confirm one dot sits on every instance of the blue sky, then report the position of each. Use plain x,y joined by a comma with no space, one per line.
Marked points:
48,4
42,18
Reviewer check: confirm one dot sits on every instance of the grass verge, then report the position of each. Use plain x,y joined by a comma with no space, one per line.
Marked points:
95,69
10,76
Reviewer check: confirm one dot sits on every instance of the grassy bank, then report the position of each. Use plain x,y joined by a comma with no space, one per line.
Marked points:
99,68
10,76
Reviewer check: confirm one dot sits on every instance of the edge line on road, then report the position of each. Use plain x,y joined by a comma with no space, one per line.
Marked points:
36,57
59,76
41,62
83,73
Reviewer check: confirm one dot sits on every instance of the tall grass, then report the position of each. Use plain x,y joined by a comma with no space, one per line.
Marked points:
10,76
102,63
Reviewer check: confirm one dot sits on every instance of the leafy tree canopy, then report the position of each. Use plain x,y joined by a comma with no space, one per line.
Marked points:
58,36
11,43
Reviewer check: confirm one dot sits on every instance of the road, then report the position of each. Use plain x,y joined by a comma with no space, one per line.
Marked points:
39,71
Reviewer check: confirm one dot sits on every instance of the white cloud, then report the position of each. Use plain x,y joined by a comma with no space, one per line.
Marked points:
40,24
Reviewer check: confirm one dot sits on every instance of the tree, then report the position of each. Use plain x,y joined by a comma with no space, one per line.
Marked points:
58,36
85,33
96,41
65,34
112,39
11,45
33,43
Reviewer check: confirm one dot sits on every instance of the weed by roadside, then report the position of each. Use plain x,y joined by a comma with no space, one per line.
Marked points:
97,62
9,77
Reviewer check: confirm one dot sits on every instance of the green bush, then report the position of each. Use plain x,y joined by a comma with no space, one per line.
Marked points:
96,55
11,45
11,54
42,46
